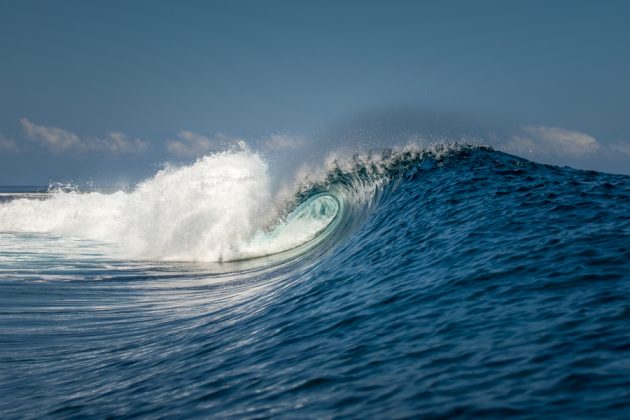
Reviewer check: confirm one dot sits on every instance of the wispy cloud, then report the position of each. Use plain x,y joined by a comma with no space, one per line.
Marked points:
61,141
7,145
55,139
620,147
119,143
552,141
282,142
190,144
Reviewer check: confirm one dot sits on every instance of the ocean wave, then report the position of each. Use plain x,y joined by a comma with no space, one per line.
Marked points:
439,281
223,207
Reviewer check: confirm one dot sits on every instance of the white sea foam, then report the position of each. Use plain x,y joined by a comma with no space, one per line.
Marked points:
219,208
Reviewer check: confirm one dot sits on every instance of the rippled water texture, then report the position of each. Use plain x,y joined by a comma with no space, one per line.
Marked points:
463,283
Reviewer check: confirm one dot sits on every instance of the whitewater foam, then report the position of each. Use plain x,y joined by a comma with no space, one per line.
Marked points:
205,211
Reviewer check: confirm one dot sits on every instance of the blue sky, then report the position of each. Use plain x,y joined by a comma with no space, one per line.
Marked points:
111,90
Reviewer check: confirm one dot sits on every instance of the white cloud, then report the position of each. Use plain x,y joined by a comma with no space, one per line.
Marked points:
59,140
55,139
190,144
119,143
519,145
621,147
7,145
282,142
552,141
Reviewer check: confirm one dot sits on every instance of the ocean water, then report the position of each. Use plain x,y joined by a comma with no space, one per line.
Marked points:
452,281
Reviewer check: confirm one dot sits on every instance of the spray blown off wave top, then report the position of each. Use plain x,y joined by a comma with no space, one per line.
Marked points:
441,281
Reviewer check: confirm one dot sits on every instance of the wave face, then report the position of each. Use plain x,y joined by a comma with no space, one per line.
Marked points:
441,282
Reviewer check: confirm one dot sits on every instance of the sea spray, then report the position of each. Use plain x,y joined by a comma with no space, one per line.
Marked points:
202,211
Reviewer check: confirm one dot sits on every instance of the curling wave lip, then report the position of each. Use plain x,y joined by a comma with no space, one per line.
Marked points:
304,227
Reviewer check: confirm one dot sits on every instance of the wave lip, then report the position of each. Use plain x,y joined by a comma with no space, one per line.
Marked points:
307,224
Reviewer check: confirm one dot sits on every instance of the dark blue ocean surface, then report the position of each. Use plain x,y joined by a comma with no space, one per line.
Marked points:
468,283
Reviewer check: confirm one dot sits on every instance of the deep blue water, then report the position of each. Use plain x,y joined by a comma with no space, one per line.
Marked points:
467,284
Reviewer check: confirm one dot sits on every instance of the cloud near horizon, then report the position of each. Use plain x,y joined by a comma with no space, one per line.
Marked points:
552,142
58,140
282,142
621,147
7,145
190,144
